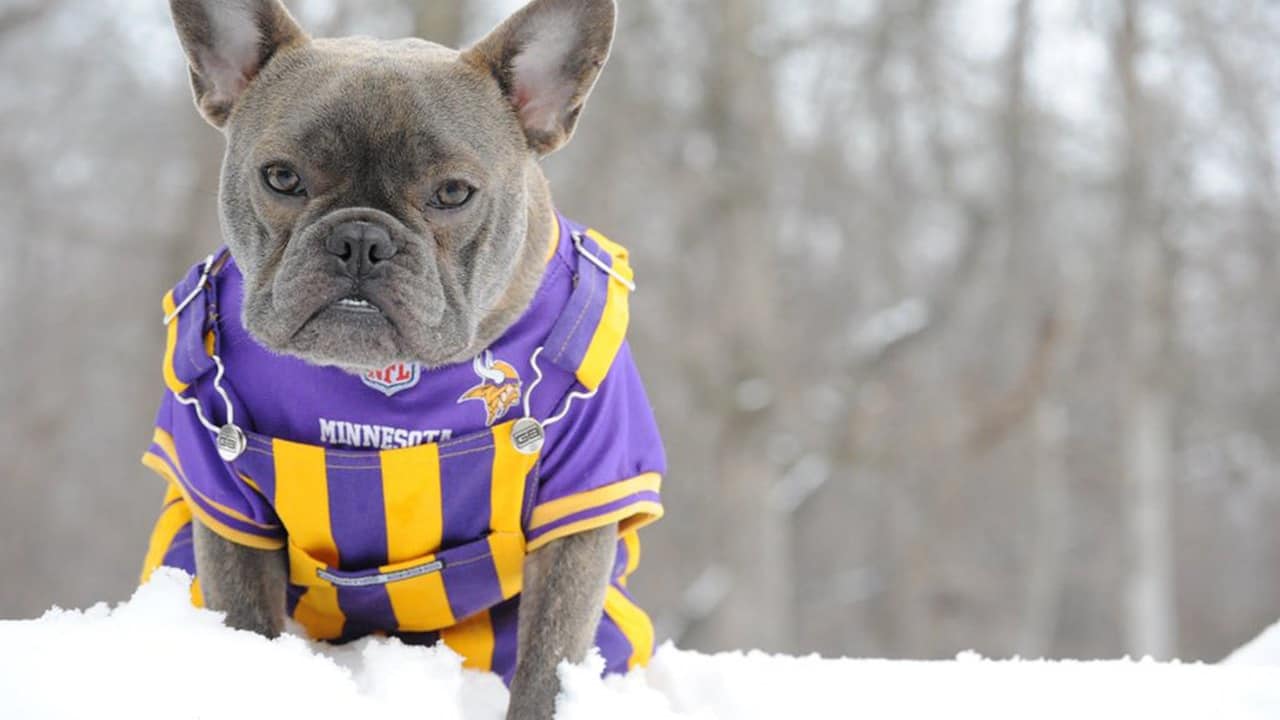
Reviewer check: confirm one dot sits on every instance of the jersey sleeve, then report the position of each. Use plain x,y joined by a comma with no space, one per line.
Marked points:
603,463
183,453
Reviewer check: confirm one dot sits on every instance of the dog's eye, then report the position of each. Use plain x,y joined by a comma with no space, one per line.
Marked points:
452,194
283,180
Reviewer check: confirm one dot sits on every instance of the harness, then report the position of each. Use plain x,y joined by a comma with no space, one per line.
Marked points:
429,570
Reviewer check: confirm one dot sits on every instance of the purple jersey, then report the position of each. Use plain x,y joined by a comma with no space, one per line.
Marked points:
408,497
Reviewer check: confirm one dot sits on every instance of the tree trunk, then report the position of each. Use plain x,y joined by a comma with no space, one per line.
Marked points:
738,113
1150,611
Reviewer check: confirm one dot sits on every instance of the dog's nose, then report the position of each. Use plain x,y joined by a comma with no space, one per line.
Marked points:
360,245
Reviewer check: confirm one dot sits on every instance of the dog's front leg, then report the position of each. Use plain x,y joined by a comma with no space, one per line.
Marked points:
560,607
246,584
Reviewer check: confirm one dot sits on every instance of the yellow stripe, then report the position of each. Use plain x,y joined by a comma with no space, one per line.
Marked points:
170,346
197,595
612,329
632,541
175,516
630,518
249,481
507,484
319,613
555,239
302,498
507,552
412,501
171,494
554,510
633,622
174,506
506,508
414,509
157,464
302,501
473,640
162,438
618,252
420,603
165,441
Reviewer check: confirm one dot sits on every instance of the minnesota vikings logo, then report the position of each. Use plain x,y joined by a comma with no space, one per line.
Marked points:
499,387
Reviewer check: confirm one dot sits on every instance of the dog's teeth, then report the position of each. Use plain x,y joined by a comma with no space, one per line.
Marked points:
354,302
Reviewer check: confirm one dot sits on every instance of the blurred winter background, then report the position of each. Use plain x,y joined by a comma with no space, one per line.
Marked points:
960,317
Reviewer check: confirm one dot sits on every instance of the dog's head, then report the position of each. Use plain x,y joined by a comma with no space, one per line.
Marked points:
383,199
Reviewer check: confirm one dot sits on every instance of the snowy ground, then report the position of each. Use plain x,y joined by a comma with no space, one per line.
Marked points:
156,657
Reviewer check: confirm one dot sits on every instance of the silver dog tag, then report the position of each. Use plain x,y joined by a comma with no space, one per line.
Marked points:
527,435
231,442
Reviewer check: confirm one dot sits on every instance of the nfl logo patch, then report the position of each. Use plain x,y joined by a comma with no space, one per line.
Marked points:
393,378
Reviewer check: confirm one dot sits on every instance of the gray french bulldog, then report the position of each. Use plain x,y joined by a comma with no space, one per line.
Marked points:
417,166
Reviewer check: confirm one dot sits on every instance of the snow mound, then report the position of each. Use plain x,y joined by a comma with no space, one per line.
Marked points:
1263,650
157,657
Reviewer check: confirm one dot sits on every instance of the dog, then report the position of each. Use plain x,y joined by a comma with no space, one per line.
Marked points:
400,400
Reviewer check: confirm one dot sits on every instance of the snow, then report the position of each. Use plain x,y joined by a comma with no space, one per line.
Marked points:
157,657
1262,651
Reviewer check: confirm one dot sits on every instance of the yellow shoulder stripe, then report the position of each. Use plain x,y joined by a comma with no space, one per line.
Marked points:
612,330
171,379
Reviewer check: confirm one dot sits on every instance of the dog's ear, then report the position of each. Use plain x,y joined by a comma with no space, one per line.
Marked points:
227,43
546,58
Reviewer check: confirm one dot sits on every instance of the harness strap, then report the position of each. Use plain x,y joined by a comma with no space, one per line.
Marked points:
189,325
586,338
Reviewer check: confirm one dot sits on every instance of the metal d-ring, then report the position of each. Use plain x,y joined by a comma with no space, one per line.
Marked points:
582,250
195,292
